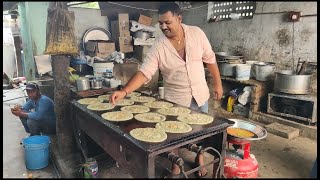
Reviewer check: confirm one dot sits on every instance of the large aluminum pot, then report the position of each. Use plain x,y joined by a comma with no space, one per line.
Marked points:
288,81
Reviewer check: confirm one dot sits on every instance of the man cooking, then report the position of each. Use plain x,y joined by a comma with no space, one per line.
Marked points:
37,115
179,53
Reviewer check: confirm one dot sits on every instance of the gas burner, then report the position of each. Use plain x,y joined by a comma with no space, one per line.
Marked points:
297,107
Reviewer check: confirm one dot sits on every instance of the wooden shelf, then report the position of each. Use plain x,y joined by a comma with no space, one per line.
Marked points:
252,82
260,90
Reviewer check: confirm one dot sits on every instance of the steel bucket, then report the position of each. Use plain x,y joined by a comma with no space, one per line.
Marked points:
263,71
96,83
83,84
251,63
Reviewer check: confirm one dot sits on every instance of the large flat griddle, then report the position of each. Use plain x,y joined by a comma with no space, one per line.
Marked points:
115,139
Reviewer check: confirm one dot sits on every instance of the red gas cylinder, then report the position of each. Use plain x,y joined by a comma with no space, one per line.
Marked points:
240,163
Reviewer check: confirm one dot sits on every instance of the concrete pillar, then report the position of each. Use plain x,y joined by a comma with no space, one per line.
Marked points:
29,65
65,142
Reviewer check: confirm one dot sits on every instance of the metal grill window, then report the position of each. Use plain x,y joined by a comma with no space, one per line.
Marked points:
221,11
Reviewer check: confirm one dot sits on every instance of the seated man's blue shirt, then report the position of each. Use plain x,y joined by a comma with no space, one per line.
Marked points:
43,109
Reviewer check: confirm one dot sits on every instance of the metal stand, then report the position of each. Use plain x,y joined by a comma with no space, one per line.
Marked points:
193,148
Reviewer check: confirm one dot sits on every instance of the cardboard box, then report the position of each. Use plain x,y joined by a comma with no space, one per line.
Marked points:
125,44
100,48
117,32
145,20
124,25
120,28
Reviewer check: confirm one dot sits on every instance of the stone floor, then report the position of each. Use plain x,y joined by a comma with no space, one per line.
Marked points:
278,157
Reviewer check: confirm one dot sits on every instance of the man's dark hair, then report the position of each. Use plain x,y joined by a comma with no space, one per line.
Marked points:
173,7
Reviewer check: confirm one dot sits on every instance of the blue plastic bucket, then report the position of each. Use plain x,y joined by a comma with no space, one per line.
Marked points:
36,150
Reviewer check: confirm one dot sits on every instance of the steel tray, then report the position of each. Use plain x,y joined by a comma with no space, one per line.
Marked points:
259,131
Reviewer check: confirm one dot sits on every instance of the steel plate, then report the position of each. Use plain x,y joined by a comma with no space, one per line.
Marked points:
95,33
225,55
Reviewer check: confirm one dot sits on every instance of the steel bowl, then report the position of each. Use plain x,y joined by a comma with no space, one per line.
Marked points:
260,132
